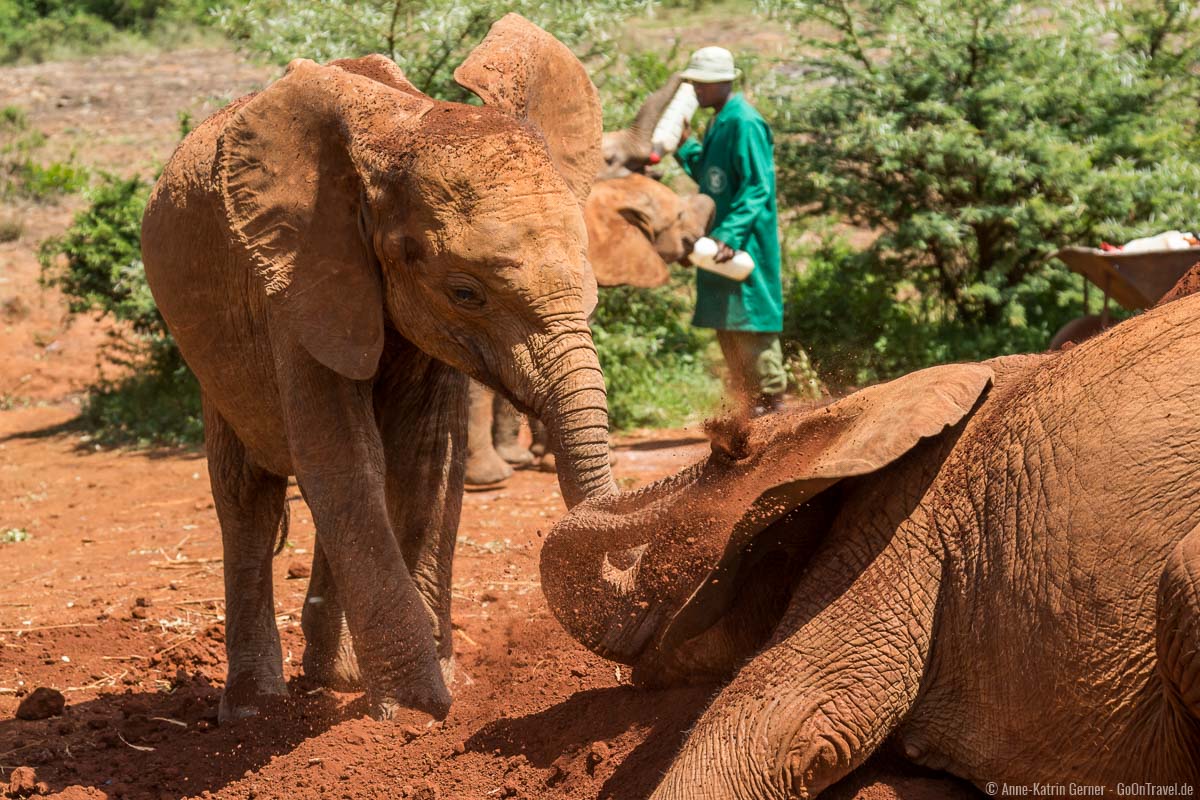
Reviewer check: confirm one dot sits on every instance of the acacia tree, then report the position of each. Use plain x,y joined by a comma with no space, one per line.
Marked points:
979,136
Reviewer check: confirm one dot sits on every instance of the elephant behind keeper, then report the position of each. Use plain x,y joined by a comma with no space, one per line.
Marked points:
335,255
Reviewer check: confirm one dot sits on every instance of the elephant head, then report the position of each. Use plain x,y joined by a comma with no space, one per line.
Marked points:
629,149
365,205
636,226
688,576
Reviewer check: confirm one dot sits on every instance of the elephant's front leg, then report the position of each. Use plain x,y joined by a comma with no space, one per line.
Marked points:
338,456
842,669
421,408
423,411
250,507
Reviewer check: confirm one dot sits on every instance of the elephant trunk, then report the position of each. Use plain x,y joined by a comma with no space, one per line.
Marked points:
576,417
593,569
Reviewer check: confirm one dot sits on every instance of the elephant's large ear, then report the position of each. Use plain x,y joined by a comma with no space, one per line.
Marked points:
621,572
528,74
620,233
293,184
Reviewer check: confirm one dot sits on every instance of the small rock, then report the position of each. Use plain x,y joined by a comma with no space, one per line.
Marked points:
460,748
22,782
138,612
298,569
142,602
598,753
510,789
42,704
410,732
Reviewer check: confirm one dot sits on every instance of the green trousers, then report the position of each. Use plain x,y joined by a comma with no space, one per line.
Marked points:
755,362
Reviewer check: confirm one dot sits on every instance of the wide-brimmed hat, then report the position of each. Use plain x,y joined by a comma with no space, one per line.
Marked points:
710,65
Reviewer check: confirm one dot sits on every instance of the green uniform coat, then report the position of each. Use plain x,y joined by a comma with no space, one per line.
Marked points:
736,168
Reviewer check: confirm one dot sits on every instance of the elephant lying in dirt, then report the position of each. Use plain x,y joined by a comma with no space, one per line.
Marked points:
994,566
635,226
332,255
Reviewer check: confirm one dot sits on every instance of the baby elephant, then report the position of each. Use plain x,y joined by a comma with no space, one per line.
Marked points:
332,255
994,566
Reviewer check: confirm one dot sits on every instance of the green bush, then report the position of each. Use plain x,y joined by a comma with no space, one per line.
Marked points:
977,138
38,30
97,262
655,363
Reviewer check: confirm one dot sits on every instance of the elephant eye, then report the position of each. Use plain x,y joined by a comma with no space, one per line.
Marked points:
466,296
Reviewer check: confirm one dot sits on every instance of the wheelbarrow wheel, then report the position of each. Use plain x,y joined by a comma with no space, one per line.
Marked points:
1078,330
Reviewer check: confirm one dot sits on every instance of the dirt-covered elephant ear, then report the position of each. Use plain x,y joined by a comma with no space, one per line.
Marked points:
620,225
620,572
528,74
293,165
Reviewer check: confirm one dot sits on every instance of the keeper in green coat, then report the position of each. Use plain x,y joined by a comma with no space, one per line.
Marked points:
735,166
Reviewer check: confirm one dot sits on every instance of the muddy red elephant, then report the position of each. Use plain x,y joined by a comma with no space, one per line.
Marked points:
991,569
334,255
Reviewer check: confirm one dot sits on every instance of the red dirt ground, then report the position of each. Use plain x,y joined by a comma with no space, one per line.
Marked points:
116,601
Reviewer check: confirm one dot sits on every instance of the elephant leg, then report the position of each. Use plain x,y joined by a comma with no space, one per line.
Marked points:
338,455
422,416
425,414
840,672
484,464
1178,642
250,504
506,433
329,658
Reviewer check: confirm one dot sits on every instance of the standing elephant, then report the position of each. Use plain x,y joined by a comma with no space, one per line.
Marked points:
636,226
994,566
332,254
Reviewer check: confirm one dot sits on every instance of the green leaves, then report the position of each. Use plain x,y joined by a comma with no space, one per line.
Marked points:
427,38
979,137
655,363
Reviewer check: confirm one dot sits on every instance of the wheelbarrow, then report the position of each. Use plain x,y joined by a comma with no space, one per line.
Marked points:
1136,281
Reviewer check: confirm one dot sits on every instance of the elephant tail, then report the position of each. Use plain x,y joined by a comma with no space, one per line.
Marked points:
285,520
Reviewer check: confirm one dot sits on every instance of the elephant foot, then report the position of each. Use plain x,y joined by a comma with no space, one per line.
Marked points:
388,705
249,695
515,455
485,467
338,672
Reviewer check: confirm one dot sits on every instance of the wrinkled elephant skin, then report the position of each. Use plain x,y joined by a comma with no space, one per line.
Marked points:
995,567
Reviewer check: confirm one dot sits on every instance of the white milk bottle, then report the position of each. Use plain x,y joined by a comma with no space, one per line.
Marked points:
704,255
681,109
